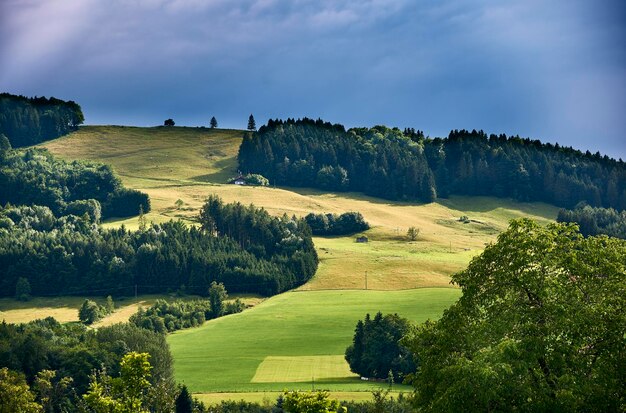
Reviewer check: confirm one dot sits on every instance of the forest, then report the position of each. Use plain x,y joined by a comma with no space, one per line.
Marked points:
29,121
246,249
405,165
596,221
34,177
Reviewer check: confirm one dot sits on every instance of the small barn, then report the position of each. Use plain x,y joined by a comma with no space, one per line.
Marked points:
362,239
240,180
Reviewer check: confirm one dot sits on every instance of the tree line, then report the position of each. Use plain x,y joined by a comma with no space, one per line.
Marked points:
596,221
247,251
59,360
163,317
29,121
333,224
35,177
394,164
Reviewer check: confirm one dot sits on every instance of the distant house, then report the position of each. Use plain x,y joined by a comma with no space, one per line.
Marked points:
362,239
240,180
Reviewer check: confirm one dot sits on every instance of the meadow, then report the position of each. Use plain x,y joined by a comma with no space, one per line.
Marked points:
297,339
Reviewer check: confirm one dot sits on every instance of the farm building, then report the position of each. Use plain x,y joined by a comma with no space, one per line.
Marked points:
362,239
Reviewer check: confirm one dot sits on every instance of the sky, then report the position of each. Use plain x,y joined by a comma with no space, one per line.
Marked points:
549,70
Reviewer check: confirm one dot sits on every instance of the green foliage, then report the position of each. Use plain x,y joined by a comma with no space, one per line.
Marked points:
28,121
49,354
89,312
22,289
305,402
540,327
184,401
213,122
217,295
283,241
253,252
5,146
54,393
15,395
251,123
256,180
412,233
169,122
127,393
376,351
398,165
596,221
333,224
34,177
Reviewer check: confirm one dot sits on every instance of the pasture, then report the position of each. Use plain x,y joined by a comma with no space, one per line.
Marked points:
277,344
297,340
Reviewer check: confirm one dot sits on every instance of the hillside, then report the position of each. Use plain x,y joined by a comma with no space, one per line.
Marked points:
191,163
290,339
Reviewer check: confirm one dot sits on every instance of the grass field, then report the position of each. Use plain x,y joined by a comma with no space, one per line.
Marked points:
287,338
242,352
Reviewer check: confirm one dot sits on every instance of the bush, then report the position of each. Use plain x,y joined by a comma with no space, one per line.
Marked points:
256,180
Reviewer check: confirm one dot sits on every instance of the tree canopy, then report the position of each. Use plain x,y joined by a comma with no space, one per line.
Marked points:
28,121
376,351
539,327
394,164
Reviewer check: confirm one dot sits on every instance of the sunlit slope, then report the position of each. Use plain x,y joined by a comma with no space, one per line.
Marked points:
191,163
291,340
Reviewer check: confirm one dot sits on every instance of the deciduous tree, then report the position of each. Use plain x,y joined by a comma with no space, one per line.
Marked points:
539,327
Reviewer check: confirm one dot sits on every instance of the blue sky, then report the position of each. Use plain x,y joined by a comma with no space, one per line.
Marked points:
550,70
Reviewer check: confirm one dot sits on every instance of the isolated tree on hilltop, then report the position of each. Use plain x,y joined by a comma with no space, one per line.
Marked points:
251,123
169,122
213,123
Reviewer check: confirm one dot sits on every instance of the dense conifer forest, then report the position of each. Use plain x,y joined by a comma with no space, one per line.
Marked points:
249,252
28,121
398,165
596,221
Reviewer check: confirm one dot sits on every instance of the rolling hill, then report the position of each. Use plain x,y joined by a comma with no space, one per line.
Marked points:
281,342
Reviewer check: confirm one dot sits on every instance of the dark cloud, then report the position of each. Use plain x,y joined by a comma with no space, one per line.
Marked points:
549,70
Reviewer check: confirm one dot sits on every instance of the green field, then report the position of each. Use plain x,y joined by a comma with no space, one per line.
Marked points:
241,352
286,339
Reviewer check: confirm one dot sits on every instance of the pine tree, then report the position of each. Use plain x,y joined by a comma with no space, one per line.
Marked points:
213,123
251,123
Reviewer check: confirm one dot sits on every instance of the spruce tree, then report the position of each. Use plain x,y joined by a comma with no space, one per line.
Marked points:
251,123
213,123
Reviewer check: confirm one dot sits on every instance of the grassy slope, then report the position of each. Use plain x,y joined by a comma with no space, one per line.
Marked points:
191,163
224,354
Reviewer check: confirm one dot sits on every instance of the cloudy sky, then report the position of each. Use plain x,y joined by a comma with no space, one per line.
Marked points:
551,70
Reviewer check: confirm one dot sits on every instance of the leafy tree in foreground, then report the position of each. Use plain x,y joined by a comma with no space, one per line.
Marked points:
539,327
124,394
15,395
